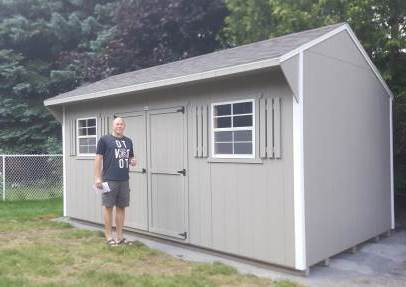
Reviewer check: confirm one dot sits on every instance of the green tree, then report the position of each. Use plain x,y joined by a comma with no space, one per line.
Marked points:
33,36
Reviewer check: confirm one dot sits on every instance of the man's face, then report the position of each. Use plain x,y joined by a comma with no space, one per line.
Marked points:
118,126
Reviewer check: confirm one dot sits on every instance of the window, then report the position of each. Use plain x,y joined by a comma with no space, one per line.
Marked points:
86,136
233,131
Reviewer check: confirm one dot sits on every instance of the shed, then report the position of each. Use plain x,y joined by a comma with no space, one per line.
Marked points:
279,151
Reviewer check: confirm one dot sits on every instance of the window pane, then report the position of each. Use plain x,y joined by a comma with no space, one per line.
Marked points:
92,149
83,132
83,149
92,141
242,121
223,136
91,131
223,148
223,122
91,122
83,141
242,136
82,123
243,148
222,110
242,108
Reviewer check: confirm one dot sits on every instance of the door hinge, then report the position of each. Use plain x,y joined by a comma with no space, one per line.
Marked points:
184,234
183,171
182,109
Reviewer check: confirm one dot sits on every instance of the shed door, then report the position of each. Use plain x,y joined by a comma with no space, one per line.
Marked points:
137,214
166,152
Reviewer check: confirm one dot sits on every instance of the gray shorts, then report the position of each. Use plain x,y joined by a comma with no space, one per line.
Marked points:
119,194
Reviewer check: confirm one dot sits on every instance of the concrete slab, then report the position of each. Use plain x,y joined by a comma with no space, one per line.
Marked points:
380,263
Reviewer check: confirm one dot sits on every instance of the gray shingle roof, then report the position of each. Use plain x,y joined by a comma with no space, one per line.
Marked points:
268,49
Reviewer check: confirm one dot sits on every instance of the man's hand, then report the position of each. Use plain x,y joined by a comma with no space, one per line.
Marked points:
133,161
98,183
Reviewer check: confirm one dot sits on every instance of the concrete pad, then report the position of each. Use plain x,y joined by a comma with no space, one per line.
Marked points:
375,264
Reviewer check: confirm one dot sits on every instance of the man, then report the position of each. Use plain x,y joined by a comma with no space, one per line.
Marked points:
113,156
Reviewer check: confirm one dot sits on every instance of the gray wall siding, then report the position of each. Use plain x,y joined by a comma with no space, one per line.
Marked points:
346,149
240,208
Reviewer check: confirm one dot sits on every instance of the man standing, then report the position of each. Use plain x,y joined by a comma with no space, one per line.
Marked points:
113,156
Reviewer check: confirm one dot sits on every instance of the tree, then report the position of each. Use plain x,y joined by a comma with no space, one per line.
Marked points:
33,35
153,32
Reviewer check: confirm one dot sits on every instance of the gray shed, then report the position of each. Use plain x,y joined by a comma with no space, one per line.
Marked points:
279,151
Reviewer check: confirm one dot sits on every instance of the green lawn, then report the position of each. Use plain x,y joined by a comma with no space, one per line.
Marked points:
36,251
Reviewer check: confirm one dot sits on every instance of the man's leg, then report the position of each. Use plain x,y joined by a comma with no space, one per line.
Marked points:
120,214
108,218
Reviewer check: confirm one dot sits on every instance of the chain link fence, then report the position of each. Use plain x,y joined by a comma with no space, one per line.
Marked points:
30,177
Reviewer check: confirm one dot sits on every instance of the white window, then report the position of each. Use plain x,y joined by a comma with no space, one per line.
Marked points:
233,129
86,136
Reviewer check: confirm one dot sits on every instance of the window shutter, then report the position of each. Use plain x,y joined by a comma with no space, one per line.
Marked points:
205,130
72,136
193,110
100,125
200,117
262,127
199,132
270,127
277,127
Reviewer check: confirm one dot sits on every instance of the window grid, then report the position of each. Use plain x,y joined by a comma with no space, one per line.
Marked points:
87,136
232,129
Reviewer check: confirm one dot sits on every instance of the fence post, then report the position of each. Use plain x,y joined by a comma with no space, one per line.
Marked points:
4,178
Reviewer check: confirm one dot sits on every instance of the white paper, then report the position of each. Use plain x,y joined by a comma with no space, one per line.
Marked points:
105,188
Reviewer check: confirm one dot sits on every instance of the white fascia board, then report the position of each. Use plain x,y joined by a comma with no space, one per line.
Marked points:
392,189
344,27
248,67
298,176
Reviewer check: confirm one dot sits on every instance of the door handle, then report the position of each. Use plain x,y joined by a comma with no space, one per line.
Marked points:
183,171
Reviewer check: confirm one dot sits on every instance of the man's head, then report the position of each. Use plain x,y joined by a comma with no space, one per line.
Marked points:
118,127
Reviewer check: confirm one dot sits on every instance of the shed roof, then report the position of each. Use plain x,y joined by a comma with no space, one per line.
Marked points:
250,57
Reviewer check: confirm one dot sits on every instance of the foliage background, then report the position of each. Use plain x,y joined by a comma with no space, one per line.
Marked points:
49,47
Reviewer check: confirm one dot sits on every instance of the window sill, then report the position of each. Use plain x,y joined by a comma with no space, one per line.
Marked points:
235,160
85,157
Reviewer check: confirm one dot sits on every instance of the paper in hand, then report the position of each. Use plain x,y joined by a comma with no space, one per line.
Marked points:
105,188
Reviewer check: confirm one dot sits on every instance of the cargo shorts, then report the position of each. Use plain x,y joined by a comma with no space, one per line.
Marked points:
119,194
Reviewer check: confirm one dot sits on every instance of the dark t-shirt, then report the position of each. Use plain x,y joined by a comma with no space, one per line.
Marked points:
116,153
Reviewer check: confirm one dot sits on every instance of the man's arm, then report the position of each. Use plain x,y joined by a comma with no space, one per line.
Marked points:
97,170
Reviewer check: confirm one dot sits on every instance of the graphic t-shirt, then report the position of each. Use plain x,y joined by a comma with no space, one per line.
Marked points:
116,153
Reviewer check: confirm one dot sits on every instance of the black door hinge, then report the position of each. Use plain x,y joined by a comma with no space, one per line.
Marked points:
184,234
183,171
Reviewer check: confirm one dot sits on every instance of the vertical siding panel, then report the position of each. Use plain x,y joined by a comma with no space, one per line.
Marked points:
277,127
205,127
199,131
269,128
262,128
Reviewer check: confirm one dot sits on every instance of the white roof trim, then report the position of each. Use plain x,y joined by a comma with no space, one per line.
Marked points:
344,27
169,82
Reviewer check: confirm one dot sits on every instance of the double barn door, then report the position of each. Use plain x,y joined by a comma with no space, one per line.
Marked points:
157,183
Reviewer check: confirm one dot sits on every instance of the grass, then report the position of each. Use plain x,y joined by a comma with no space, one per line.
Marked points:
37,251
